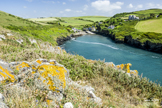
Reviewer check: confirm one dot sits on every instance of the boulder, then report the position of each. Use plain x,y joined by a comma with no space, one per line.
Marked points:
68,105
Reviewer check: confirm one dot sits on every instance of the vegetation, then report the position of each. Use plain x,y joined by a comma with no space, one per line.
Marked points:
114,87
9,19
144,30
152,25
142,14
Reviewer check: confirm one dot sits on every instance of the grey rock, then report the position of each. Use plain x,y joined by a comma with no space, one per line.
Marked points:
3,105
91,94
68,105
19,41
98,100
32,41
1,98
88,88
2,37
55,96
9,34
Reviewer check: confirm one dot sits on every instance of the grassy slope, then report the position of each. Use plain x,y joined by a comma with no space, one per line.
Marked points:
153,25
142,13
7,19
73,21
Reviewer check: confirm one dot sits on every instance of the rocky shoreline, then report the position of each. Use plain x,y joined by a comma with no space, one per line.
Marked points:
61,40
149,46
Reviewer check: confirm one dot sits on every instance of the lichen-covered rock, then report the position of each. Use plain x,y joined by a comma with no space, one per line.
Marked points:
52,77
5,73
68,105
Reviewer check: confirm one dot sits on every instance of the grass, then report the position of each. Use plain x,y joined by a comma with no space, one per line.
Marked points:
73,21
8,19
94,18
43,21
153,25
140,14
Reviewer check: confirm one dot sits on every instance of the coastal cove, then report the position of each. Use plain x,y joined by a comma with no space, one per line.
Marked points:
97,47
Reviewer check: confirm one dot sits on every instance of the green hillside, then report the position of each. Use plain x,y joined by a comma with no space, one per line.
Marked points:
140,14
8,19
153,25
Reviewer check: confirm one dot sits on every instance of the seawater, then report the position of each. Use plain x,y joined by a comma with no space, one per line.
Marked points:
97,47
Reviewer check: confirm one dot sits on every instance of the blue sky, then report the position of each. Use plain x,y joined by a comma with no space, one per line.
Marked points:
71,8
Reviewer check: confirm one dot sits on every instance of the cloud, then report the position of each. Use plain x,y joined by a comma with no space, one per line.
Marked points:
152,5
29,0
106,6
130,6
139,6
24,7
61,12
67,10
63,3
85,7
79,11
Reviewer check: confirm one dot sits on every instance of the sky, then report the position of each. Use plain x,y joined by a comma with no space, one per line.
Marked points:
72,8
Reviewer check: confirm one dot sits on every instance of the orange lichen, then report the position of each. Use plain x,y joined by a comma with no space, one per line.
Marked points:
6,75
48,101
39,61
53,63
54,71
22,65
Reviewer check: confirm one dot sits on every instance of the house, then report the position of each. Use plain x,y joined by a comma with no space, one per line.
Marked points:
111,27
99,23
133,17
74,29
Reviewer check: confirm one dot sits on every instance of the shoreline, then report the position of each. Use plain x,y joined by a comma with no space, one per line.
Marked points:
128,40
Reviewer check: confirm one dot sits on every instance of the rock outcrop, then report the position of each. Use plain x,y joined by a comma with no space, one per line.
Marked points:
46,75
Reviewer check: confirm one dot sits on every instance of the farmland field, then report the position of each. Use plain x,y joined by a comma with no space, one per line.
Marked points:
94,18
154,25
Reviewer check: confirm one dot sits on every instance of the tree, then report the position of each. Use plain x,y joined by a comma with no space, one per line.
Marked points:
152,15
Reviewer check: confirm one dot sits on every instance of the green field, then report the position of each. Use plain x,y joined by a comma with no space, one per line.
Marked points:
153,25
73,21
141,13
8,19
95,18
